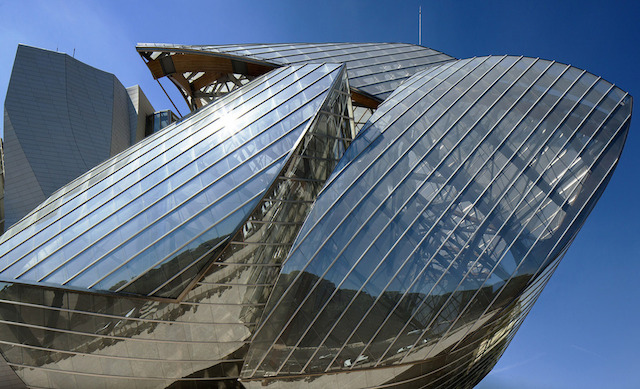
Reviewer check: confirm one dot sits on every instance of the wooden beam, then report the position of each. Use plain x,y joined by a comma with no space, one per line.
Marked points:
363,100
216,66
192,62
206,79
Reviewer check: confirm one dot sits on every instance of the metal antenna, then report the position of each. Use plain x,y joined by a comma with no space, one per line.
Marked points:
420,26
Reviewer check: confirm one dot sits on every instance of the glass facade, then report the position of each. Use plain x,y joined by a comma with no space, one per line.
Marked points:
158,120
469,180
285,234
143,219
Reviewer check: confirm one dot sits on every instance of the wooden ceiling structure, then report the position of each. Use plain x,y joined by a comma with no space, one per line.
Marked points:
203,76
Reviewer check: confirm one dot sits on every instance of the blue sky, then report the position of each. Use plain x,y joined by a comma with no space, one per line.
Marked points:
583,331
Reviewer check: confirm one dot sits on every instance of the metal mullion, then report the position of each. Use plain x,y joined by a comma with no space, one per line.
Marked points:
392,219
424,375
353,237
480,142
422,55
413,51
466,159
433,72
314,157
421,376
289,201
231,191
422,62
269,49
431,105
218,304
329,137
393,73
578,127
356,47
335,115
221,158
497,202
132,377
421,82
502,256
604,177
288,56
259,244
342,92
521,316
341,55
428,373
368,369
170,211
115,337
471,365
211,250
294,248
106,356
220,104
238,264
401,79
336,173
301,179
168,381
111,316
184,245
536,285
225,284
531,294
178,133
471,127
454,379
368,56
274,222
221,263
308,128
229,49
390,92
533,214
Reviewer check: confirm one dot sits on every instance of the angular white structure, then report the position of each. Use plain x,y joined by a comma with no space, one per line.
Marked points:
61,118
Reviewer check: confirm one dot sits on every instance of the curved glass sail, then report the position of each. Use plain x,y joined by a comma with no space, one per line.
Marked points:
435,231
259,242
170,203
57,337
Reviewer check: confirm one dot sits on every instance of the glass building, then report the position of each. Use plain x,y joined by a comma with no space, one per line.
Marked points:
329,215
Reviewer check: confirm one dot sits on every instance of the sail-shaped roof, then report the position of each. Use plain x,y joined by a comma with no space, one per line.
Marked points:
165,205
374,69
472,178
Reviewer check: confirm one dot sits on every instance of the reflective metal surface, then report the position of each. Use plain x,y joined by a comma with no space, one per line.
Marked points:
463,186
